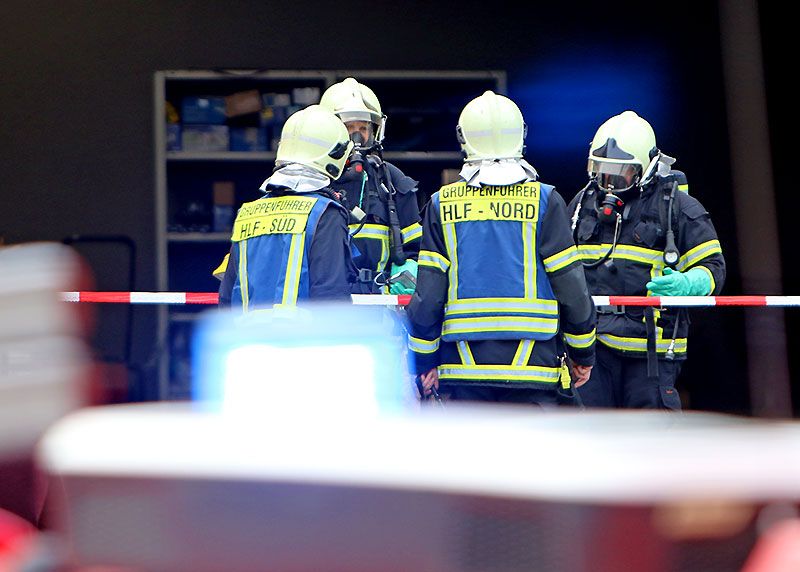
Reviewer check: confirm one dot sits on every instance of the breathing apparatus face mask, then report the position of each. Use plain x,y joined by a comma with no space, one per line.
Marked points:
362,133
614,178
357,138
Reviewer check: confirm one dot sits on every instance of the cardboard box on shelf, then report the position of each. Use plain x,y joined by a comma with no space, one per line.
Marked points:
224,210
224,192
243,103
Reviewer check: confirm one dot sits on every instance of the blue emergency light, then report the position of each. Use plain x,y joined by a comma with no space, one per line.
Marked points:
310,362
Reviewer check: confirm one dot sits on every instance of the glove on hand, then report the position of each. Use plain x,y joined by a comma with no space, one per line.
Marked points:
398,287
695,282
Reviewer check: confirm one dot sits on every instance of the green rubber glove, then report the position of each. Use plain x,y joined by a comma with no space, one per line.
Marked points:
398,287
695,282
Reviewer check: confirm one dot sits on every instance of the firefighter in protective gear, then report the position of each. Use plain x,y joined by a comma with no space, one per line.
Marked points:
638,233
384,214
293,244
500,280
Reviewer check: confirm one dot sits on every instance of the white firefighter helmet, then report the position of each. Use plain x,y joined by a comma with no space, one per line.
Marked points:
622,151
354,101
316,138
491,127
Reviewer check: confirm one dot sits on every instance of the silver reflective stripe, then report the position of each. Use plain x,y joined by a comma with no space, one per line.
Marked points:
422,346
580,341
244,287
434,259
499,323
523,352
479,133
540,374
382,234
529,246
312,140
411,232
561,259
291,283
465,353
694,257
452,251
521,305
652,256
640,344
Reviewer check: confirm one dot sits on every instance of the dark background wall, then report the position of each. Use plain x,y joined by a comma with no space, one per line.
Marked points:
76,91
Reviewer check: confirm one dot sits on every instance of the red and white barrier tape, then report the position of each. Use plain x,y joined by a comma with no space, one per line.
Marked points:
211,298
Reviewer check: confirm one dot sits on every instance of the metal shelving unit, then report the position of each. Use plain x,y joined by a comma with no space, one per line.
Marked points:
176,250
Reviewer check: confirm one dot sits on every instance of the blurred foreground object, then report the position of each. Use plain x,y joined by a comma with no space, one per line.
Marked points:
303,365
168,487
43,363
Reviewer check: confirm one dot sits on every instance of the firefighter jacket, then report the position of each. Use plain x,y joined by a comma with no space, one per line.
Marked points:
639,256
362,190
485,310
288,247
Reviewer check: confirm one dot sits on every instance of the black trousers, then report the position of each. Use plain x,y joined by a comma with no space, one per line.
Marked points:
621,382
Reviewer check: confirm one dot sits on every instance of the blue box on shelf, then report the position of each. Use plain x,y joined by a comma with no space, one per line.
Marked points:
249,139
173,137
203,110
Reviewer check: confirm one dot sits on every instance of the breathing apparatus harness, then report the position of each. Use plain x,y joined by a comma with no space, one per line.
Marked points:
360,157
613,210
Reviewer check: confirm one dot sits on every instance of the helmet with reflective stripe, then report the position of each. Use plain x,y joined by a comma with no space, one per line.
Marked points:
622,148
316,138
354,101
491,127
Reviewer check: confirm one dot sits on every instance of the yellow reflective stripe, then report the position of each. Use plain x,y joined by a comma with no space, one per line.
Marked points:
710,277
684,188
528,250
561,259
623,252
640,344
374,231
451,243
220,270
698,253
294,266
465,353
422,346
482,372
243,275
499,305
523,353
433,259
384,256
580,341
499,324
411,232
